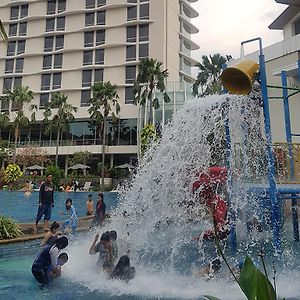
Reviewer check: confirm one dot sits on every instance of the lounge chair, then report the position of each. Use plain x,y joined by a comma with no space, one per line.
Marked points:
86,186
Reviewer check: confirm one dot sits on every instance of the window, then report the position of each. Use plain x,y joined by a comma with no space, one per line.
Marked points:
14,13
131,13
297,27
7,84
61,5
24,11
47,62
56,84
23,29
98,75
88,57
90,3
101,3
143,51
48,45
86,78
131,1
19,65
44,99
21,47
46,78
11,48
51,8
4,105
89,19
131,34
100,37
99,57
17,82
50,24
85,98
60,25
58,60
13,29
129,96
144,11
101,17
89,39
130,74
144,33
59,42
131,53
9,66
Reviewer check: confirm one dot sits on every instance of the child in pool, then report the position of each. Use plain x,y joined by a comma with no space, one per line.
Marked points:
72,220
61,260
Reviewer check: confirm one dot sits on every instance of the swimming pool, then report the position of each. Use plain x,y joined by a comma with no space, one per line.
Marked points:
24,209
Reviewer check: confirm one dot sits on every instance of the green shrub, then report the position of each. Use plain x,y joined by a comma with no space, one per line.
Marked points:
57,175
9,228
148,136
12,173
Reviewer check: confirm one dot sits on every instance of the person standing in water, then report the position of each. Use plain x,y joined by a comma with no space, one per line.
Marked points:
46,202
100,212
90,206
72,220
52,235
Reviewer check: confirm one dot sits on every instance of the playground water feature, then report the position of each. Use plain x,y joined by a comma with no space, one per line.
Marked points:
159,215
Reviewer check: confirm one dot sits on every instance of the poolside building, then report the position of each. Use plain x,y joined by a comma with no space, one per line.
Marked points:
68,45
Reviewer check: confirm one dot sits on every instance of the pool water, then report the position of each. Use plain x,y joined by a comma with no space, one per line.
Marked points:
24,208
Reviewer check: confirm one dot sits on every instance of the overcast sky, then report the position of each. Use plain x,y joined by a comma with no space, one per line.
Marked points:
223,24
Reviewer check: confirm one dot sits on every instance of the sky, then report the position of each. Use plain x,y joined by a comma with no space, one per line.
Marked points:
223,24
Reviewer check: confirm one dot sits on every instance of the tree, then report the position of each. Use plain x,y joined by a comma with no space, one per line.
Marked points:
59,121
208,78
32,156
3,34
104,98
150,77
5,152
18,97
80,157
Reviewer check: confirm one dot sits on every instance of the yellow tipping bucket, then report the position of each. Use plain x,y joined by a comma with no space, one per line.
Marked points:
239,79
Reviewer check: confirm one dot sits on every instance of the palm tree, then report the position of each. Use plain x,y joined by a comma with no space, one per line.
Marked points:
150,77
209,73
18,97
104,98
61,119
3,34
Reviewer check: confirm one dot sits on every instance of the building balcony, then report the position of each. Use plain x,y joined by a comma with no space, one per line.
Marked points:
188,26
188,9
188,43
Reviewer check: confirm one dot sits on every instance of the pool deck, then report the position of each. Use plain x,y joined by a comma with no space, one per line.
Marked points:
27,229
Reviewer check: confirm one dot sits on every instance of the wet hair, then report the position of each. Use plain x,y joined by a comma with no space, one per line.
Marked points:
105,237
69,200
62,242
122,270
90,196
113,235
54,225
215,265
100,195
63,257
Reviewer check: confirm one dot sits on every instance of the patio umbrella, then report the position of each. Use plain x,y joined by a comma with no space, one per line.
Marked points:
35,168
125,166
79,167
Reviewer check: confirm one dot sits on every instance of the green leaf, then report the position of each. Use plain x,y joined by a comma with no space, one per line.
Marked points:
211,297
254,283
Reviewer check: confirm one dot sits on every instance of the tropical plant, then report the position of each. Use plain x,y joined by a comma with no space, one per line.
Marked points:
148,135
208,78
12,173
150,77
80,157
18,97
9,228
28,156
57,174
3,34
5,152
58,122
104,99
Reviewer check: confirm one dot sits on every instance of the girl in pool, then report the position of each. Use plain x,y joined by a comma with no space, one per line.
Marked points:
72,220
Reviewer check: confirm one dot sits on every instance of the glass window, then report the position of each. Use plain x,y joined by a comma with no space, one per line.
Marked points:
89,3
98,75
50,24
101,17
86,78
131,34
144,33
59,42
89,19
58,60
89,39
7,84
129,96
144,11
21,47
14,13
4,106
131,1
12,29
45,82
17,82
85,98
19,65
60,25
61,5
51,7
99,57
297,27
130,74
101,2
44,99
130,53
9,66
100,37
56,84
88,57
23,28
131,13
47,62
11,48
143,51
124,132
24,11
48,44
